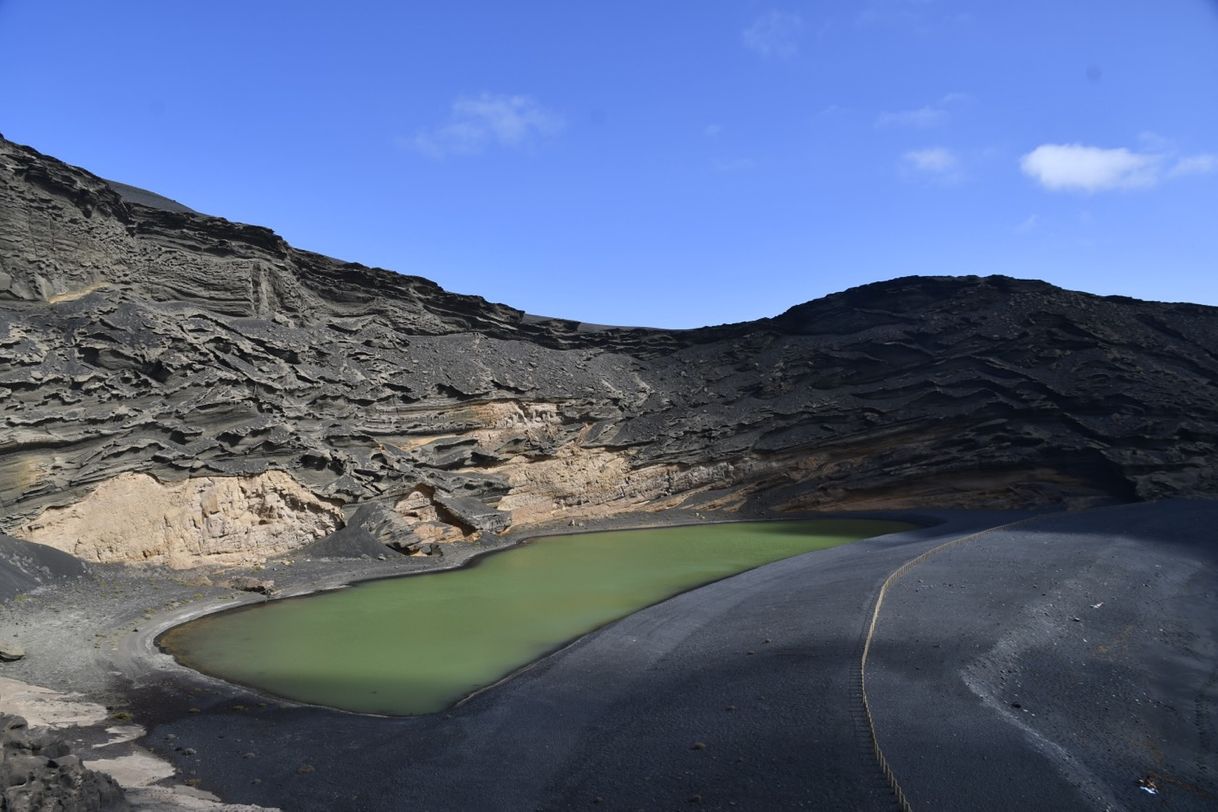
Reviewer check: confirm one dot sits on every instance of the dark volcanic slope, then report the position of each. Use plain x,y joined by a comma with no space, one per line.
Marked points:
143,197
134,339
25,566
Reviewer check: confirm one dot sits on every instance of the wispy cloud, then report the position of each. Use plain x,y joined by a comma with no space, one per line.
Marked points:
924,117
1028,225
476,123
936,161
774,35
1202,164
1081,168
712,130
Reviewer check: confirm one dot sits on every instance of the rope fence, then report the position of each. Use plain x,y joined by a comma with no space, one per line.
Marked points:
893,577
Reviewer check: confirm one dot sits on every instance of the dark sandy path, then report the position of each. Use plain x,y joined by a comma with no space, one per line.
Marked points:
736,695
1052,665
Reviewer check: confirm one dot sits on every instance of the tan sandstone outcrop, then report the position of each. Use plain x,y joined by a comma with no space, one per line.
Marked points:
134,518
424,519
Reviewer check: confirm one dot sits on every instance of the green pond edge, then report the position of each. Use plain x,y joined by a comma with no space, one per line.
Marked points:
831,528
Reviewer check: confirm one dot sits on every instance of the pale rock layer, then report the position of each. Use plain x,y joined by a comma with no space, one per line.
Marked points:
134,518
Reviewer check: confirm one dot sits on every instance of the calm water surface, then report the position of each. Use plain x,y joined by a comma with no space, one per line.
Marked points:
417,644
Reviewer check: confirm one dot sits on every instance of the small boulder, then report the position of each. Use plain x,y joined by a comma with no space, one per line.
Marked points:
246,583
10,651
473,513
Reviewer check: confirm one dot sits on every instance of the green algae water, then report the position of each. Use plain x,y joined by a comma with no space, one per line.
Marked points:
416,644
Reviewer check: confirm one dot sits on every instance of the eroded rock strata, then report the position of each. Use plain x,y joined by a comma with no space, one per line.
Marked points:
178,388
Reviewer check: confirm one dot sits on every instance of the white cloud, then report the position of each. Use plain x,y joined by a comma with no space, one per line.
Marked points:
1077,167
1090,169
1202,164
478,122
934,161
774,35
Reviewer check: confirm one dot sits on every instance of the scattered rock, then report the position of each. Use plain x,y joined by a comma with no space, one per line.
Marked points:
370,530
247,583
10,652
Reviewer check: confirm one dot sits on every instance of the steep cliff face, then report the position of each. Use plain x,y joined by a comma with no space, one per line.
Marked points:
201,354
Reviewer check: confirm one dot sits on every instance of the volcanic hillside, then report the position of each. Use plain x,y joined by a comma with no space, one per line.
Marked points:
177,388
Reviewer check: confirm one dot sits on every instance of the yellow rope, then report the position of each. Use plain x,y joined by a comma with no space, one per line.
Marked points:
893,577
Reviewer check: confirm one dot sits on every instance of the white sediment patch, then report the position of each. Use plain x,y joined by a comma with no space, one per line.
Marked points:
138,769
123,734
42,707
175,799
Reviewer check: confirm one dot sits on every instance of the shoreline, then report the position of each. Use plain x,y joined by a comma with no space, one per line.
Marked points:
104,643
156,635
502,746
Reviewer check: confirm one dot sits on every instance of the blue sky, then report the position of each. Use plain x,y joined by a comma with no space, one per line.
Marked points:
672,164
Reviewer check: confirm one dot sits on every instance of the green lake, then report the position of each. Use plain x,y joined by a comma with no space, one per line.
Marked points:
417,644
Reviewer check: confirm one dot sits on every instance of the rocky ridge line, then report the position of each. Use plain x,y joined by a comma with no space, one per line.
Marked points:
189,349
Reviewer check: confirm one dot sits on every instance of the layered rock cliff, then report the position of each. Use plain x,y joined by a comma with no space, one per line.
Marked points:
178,388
